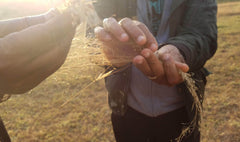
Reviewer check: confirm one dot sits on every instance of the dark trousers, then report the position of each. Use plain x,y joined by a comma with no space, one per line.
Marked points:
137,127
4,137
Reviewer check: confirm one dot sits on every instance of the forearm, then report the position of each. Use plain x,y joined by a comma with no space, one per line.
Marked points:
18,24
36,38
24,46
29,56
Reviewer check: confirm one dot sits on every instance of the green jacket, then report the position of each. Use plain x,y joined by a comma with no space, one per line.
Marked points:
193,31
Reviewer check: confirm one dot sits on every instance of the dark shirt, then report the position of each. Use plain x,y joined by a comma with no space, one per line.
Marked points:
156,10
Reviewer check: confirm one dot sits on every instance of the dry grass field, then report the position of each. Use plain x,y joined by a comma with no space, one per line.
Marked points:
38,116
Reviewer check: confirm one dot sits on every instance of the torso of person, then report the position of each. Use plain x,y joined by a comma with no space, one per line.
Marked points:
146,96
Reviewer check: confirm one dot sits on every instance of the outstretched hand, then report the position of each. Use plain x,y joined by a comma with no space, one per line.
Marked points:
121,40
162,66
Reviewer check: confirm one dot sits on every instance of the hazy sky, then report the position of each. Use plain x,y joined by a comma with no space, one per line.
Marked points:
32,1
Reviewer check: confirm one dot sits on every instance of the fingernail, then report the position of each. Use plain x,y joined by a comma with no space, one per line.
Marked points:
105,20
124,37
153,47
141,39
96,30
186,69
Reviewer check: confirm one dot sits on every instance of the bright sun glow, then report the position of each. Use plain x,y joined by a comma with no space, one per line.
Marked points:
26,7
40,3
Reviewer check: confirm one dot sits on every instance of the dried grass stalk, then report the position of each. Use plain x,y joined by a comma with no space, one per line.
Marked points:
4,97
196,122
81,11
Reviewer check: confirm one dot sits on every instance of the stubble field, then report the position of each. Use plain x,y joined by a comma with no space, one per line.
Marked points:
38,116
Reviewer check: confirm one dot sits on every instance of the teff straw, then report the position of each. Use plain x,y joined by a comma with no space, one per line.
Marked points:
190,83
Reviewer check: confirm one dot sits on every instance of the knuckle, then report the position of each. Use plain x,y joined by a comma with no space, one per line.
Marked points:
139,24
109,21
136,22
105,20
125,20
143,27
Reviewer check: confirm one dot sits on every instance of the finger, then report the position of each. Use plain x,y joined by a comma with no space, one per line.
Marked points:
142,65
171,71
112,26
151,41
182,66
155,65
134,31
102,35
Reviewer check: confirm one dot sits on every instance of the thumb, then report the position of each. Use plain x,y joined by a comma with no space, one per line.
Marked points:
182,66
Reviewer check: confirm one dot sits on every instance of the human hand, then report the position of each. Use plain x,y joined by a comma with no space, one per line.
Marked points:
124,40
31,55
163,66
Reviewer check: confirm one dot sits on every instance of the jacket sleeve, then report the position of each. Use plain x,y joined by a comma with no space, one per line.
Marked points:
196,37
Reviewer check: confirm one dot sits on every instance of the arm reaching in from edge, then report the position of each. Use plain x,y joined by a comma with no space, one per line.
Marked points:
29,54
17,24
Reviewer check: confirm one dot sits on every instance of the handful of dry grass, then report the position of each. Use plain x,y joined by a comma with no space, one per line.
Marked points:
82,12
